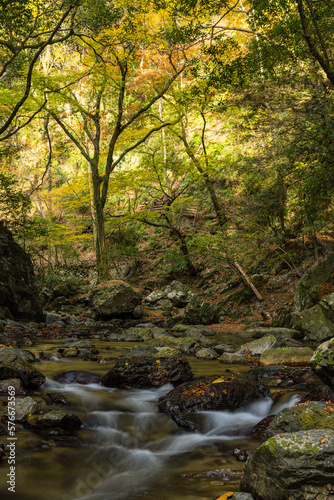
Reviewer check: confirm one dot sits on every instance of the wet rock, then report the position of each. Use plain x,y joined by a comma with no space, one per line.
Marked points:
77,344
124,337
143,372
207,353
229,392
143,333
199,330
71,352
258,346
278,333
179,327
78,377
141,352
257,432
182,344
55,399
55,418
24,407
231,358
294,466
289,356
120,300
322,362
23,353
242,454
13,366
314,415
15,383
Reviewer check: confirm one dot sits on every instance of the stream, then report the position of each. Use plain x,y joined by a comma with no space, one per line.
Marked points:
126,449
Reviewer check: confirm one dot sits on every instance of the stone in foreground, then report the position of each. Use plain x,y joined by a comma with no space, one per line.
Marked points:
292,466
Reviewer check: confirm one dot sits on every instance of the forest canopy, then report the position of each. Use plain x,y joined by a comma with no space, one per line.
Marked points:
198,131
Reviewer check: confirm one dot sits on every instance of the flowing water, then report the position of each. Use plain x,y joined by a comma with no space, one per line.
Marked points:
126,449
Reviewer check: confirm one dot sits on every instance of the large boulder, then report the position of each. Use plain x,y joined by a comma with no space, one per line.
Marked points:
120,300
317,323
322,362
313,415
292,466
308,291
19,297
148,371
213,393
13,366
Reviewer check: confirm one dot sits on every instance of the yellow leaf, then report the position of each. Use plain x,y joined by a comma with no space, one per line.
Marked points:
226,496
158,361
322,440
217,381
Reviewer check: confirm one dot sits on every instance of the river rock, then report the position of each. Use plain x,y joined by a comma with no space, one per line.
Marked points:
13,366
78,377
235,358
24,407
289,356
55,418
308,290
294,466
144,333
258,346
322,362
19,297
228,392
279,333
141,352
199,330
22,353
15,383
182,344
120,300
313,415
124,337
207,353
144,372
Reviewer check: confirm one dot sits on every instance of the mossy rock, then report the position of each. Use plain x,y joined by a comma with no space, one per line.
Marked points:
322,362
292,466
314,415
289,356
